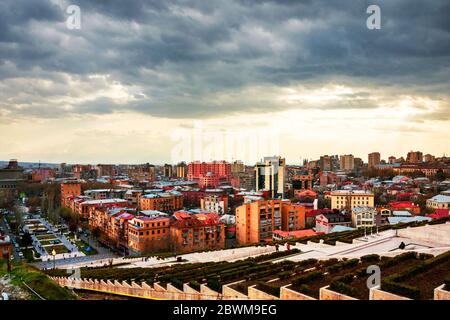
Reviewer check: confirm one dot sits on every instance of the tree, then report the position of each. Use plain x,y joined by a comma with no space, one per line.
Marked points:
26,239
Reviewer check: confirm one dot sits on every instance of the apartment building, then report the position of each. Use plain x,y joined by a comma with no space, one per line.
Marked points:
255,221
149,234
69,189
215,204
347,162
292,216
193,232
161,201
270,175
364,217
374,159
348,199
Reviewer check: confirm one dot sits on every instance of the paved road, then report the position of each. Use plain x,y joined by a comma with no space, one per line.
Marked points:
12,236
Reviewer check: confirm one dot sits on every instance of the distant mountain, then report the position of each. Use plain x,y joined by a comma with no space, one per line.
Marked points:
31,164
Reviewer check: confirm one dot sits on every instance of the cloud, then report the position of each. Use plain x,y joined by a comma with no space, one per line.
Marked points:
197,59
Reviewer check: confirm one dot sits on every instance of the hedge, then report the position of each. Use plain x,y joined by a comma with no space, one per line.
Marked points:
370,258
194,285
400,289
214,284
307,277
343,288
269,288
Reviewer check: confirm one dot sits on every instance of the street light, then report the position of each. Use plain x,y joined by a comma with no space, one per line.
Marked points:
54,255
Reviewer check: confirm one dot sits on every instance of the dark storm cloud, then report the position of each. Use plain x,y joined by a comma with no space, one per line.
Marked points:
181,58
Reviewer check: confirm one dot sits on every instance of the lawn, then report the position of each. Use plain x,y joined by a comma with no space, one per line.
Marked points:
83,247
54,241
60,248
45,236
22,273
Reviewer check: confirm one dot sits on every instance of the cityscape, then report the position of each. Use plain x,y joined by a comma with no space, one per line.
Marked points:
209,230
210,158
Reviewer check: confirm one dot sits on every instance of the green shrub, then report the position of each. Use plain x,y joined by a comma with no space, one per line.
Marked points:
370,258
343,288
214,284
269,288
400,289
344,279
334,268
307,277
194,285
350,263
424,256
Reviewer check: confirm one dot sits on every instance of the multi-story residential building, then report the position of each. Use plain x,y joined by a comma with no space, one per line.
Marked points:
43,174
84,207
256,220
347,162
192,232
414,157
181,170
243,180
168,171
325,163
348,199
161,201
237,167
374,159
270,175
301,182
208,180
392,160
108,170
69,189
439,202
292,216
364,217
97,194
428,169
111,222
221,169
149,234
325,222
429,158
214,203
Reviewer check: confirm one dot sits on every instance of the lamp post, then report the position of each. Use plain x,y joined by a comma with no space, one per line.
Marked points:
54,256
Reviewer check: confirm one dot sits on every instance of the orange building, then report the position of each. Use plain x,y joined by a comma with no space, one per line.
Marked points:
149,234
69,188
192,232
112,225
292,217
255,221
163,201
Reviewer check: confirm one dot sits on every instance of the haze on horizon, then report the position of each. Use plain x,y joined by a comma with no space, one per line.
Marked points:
143,81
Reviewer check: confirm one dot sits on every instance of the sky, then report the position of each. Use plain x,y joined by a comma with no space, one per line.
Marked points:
164,81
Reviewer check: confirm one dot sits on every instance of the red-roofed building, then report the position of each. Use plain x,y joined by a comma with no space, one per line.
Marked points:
310,216
192,232
405,205
439,213
112,224
149,234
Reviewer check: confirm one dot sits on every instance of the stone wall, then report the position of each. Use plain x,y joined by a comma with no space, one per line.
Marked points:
326,294
288,294
441,294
